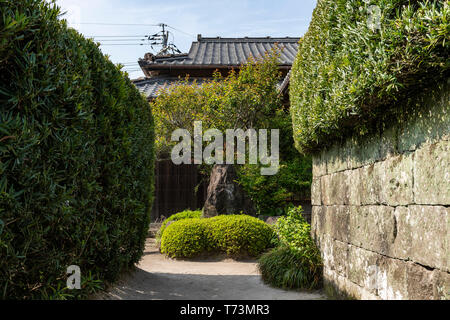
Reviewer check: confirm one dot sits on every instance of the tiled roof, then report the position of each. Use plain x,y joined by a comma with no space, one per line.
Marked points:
228,52
152,87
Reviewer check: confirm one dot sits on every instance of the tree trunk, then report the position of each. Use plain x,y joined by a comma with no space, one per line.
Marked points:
225,195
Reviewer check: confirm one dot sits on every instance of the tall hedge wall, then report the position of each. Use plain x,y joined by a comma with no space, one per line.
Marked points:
76,157
351,70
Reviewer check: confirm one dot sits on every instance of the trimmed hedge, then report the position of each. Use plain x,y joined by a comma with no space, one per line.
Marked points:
348,75
186,214
235,235
185,238
76,158
239,235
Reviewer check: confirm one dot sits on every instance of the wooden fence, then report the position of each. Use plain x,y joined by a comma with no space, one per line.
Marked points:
175,189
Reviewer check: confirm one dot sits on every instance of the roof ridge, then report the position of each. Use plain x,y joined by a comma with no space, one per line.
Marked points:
247,39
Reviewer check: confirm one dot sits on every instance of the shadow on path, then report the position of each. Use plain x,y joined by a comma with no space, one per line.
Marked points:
159,278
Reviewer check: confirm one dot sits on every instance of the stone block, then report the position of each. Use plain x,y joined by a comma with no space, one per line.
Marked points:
369,185
354,186
319,164
389,142
337,222
316,194
318,222
364,151
339,287
335,189
428,122
420,282
335,255
396,180
373,228
422,235
432,174
441,285
362,268
392,280
337,158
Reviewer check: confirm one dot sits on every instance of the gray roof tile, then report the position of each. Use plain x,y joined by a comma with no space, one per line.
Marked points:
229,51
152,87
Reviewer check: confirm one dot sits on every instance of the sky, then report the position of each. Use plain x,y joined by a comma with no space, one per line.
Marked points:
109,21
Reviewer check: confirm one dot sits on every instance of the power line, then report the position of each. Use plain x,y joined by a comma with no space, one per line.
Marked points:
191,35
120,36
120,24
119,40
122,44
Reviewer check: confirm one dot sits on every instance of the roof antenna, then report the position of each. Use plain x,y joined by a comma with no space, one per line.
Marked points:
162,39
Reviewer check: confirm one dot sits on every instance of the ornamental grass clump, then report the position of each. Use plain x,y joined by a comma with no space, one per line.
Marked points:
296,262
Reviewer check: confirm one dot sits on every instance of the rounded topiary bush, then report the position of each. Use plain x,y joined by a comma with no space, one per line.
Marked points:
76,157
185,238
235,235
238,235
186,214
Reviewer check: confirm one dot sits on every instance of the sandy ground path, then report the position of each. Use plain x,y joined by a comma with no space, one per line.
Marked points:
159,278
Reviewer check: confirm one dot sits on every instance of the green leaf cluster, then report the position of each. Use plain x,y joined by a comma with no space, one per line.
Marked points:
186,214
76,157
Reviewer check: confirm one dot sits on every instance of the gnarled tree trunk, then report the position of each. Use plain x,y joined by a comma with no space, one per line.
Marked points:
225,195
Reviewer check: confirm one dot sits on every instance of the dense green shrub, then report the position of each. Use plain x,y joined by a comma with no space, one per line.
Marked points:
186,214
185,238
294,232
271,194
296,262
239,235
286,268
349,76
76,157
235,235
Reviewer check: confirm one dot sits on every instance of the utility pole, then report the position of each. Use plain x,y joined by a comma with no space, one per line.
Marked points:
162,39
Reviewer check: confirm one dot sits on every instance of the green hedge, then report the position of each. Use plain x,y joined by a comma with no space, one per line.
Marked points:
348,75
186,214
235,235
238,235
76,157
185,238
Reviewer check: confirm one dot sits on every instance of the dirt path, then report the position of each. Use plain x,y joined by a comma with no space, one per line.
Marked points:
159,278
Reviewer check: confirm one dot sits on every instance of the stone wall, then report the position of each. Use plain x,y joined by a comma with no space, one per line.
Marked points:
381,208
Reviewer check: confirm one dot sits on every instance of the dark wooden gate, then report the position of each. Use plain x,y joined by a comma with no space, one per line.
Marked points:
175,189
